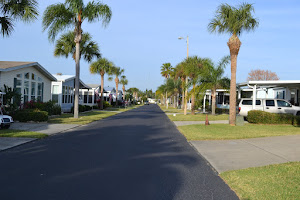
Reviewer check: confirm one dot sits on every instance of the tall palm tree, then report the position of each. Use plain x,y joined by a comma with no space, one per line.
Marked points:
102,66
14,10
234,21
213,79
124,82
116,71
166,70
72,14
65,46
179,73
193,70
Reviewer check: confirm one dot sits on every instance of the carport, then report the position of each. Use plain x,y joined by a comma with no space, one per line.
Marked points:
290,89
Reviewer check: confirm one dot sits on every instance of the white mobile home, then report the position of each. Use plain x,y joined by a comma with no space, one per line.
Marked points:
30,79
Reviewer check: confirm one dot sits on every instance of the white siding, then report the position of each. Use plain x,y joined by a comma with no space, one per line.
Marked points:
7,78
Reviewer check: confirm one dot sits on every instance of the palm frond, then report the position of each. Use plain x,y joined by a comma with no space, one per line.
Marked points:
57,18
7,26
95,11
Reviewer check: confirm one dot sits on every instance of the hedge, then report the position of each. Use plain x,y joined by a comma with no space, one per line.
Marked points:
82,108
261,117
30,115
222,111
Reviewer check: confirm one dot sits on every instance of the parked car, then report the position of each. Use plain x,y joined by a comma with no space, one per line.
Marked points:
268,105
5,120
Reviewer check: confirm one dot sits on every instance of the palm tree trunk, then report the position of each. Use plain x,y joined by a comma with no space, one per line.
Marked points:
167,100
76,99
182,100
117,91
213,104
174,101
102,88
123,92
193,100
234,46
185,99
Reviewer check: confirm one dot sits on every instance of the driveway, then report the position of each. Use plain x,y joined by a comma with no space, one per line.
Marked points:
225,155
138,154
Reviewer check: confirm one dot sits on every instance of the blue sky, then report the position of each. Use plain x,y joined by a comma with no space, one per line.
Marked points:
142,35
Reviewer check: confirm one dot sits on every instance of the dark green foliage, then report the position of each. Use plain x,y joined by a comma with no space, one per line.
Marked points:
30,115
82,108
11,99
50,107
106,105
261,117
222,111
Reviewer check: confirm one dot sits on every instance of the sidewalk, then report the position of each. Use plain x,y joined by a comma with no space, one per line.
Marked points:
225,155
46,128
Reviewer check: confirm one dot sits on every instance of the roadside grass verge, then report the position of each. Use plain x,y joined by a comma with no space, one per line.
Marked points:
280,181
227,132
197,117
20,133
171,109
122,109
84,118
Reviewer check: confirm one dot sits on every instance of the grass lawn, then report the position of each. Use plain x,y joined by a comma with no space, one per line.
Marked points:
171,109
278,182
197,117
20,133
84,118
122,109
227,132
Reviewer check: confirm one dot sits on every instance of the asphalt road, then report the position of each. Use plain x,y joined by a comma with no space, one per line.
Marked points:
137,154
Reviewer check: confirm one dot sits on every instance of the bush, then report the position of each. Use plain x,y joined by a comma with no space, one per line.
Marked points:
82,108
261,117
222,111
30,115
50,107
106,105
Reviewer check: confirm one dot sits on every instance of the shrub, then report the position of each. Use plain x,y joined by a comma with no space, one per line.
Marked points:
106,104
30,115
50,107
261,117
222,111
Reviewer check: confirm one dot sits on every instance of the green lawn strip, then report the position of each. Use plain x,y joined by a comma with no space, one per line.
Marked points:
21,133
84,118
227,132
122,109
171,109
281,181
197,117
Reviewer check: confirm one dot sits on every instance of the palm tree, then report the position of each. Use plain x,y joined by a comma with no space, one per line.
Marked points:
124,82
234,21
102,67
193,70
65,46
179,73
213,78
117,71
72,14
166,70
14,10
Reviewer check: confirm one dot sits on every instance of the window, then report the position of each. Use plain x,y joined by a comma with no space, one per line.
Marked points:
281,103
33,88
55,93
32,76
40,91
90,97
19,75
249,102
85,97
270,103
26,90
26,75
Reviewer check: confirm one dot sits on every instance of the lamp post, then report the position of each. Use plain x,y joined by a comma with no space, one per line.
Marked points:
186,80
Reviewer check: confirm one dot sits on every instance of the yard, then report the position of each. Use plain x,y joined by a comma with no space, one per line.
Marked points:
84,118
197,117
20,133
278,182
227,132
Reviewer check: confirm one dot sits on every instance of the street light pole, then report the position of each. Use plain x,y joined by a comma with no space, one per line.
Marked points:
186,79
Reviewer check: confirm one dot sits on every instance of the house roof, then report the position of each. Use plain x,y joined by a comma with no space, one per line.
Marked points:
6,66
65,78
109,89
279,83
93,85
